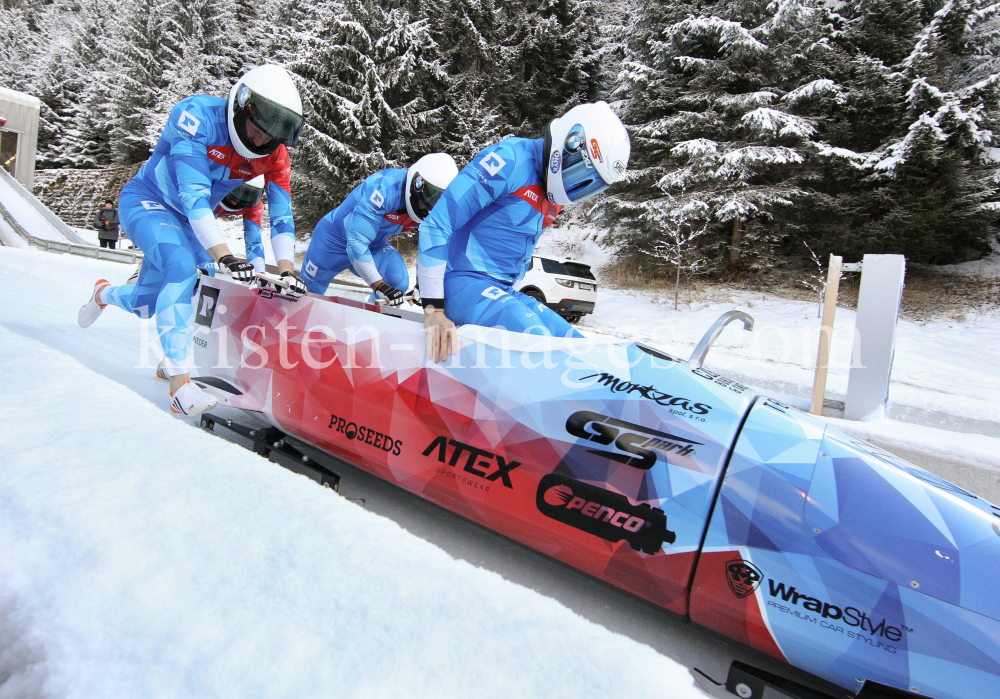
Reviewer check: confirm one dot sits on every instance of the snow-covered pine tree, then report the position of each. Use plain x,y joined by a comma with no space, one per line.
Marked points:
703,98
197,34
557,65
132,80
60,88
370,84
907,130
17,46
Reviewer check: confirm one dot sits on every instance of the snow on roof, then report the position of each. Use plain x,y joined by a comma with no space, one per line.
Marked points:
25,100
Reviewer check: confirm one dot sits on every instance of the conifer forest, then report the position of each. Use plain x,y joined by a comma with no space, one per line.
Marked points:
771,128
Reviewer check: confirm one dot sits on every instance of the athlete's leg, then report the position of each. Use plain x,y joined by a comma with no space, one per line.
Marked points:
556,324
481,301
321,263
391,267
166,280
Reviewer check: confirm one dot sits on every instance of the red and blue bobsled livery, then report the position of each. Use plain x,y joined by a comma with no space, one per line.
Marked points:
668,481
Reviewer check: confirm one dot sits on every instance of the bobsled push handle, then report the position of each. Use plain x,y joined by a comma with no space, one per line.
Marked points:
701,351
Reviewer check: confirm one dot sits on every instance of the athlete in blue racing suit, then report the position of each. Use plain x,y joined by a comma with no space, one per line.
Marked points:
484,230
356,235
166,209
481,234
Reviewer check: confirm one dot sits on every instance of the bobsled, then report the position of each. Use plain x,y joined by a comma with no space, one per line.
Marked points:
649,472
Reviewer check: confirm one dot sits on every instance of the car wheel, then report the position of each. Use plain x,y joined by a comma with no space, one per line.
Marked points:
574,319
535,294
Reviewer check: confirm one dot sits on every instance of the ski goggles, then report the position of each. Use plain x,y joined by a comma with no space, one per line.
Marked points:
579,177
280,123
423,195
245,196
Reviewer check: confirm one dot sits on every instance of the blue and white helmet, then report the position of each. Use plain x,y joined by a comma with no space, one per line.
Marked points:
587,150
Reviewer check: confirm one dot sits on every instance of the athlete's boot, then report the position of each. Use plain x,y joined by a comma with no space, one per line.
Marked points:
161,371
90,310
191,400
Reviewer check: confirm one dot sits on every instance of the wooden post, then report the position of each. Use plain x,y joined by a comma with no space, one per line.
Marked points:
826,334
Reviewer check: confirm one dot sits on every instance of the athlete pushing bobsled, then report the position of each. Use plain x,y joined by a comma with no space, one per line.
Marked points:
233,197
482,233
165,209
356,234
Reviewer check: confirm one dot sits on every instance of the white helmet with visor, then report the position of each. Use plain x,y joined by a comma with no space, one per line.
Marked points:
426,181
265,99
586,151
247,195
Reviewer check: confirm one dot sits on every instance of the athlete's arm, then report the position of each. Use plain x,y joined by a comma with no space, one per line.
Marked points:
362,230
279,207
187,132
480,183
252,237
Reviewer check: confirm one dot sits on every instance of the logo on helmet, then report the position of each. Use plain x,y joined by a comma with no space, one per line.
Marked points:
555,162
596,150
619,167
743,577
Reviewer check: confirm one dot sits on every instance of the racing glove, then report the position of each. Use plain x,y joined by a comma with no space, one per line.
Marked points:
295,285
241,270
392,297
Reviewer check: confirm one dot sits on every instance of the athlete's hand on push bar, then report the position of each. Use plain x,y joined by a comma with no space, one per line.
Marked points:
391,296
442,335
295,285
241,270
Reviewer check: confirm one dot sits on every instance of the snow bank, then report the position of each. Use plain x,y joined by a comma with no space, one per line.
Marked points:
145,558
971,461
944,367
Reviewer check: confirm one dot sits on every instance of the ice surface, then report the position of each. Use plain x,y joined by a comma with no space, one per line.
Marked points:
26,215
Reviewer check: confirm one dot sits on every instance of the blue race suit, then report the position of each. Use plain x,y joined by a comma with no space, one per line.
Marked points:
356,235
165,210
251,229
479,237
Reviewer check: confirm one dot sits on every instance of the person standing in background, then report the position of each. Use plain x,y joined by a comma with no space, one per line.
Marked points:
106,223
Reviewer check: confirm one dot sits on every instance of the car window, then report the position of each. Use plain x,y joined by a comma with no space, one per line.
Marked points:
577,269
531,263
552,266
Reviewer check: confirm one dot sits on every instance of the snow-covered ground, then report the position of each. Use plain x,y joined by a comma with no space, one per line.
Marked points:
145,558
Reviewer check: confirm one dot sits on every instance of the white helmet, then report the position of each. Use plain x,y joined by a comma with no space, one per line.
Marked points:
426,181
587,150
266,97
244,196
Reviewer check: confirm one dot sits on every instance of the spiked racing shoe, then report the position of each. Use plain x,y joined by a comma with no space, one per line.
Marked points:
92,309
161,371
191,400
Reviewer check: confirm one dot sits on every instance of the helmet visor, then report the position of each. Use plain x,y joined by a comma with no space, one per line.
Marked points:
246,196
423,194
580,179
280,123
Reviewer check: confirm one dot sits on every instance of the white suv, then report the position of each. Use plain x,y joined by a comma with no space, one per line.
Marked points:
565,286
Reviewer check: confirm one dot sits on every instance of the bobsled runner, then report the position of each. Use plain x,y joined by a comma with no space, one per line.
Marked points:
652,473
